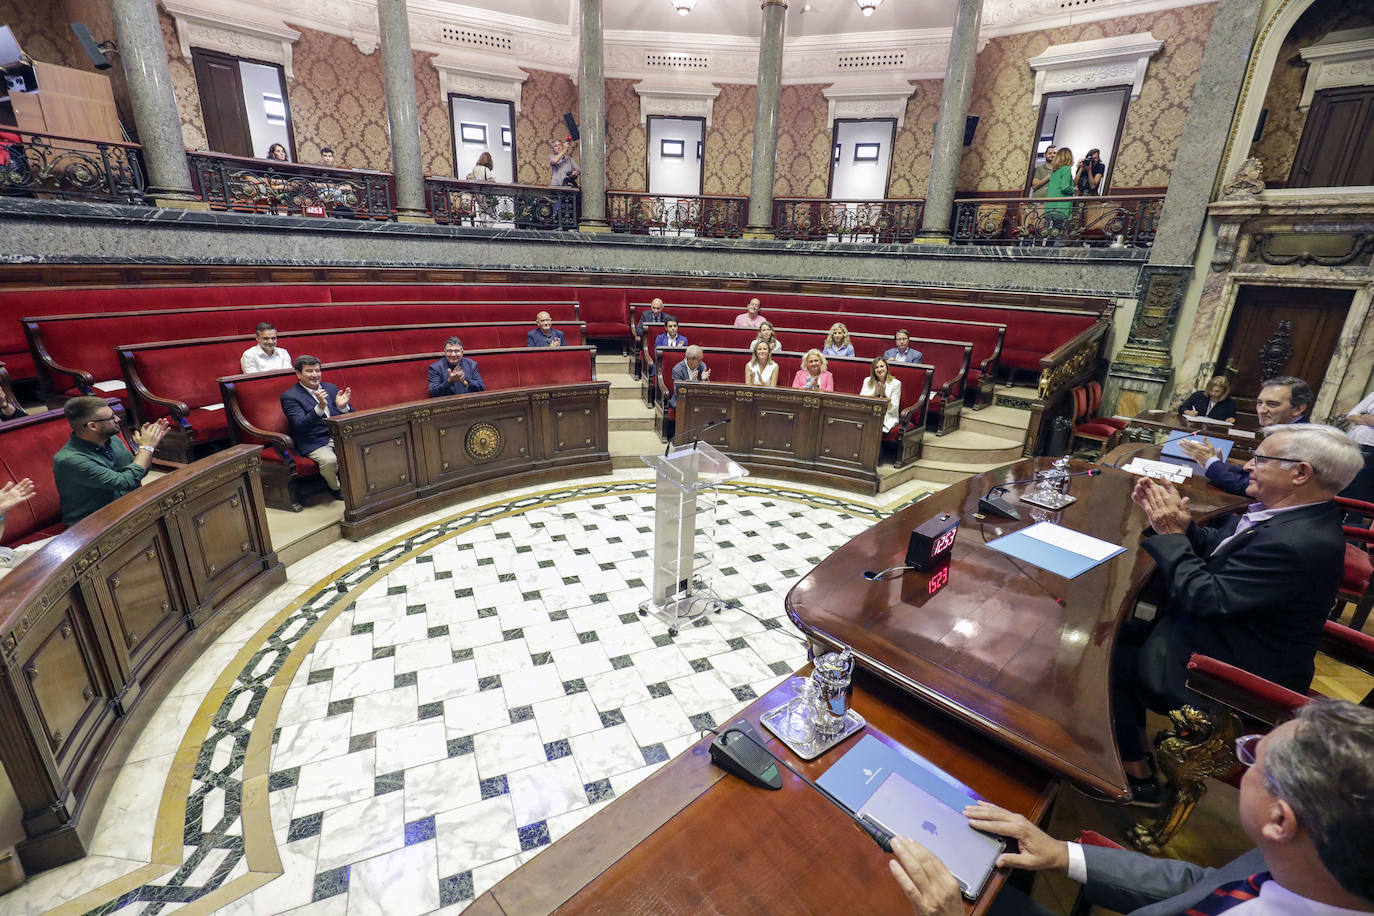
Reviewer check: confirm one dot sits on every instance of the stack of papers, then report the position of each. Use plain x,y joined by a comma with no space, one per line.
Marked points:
1159,470
1057,549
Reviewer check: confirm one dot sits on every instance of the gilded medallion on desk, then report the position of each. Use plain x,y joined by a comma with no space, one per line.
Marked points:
483,442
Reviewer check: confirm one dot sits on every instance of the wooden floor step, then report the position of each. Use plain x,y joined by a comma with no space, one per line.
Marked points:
996,420
963,445
947,472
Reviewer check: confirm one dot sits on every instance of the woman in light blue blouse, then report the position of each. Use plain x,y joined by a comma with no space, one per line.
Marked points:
837,341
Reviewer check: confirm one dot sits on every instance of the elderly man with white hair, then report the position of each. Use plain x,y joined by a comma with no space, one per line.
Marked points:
691,369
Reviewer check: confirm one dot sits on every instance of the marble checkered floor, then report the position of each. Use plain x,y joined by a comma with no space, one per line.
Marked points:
399,732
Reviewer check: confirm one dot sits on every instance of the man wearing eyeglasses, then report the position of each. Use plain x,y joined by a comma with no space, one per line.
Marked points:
1305,802
96,467
1253,592
1281,400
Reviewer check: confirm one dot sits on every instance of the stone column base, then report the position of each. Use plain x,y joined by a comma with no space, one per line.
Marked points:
758,232
175,201
411,217
1134,385
932,237
593,225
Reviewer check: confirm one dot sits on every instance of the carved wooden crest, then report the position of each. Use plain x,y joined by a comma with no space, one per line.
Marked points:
1275,352
483,442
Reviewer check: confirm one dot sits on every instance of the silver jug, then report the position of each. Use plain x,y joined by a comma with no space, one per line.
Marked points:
833,676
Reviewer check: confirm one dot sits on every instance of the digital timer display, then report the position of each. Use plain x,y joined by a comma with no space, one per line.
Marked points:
938,580
944,543
932,541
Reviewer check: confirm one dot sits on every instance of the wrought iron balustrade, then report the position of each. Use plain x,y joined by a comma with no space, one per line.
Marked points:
823,219
1111,222
69,168
485,203
267,186
639,213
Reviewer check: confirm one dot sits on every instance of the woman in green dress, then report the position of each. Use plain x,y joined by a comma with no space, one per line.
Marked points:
1060,186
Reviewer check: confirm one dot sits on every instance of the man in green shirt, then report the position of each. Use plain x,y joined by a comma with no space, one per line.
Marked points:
95,467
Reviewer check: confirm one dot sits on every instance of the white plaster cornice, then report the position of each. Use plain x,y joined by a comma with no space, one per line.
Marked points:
242,30
675,100
486,80
1344,58
1117,61
859,100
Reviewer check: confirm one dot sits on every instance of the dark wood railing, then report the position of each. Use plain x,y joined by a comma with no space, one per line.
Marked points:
270,186
1113,222
484,203
662,214
69,168
823,219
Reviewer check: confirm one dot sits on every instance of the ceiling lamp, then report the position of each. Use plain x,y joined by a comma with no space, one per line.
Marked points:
684,7
868,6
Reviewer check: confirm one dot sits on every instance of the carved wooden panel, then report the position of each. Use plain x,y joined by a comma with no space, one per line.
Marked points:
482,438
140,587
388,463
62,682
843,438
574,428
220,532
775,431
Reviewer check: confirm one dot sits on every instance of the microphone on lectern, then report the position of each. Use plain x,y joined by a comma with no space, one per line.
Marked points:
696,433
992,503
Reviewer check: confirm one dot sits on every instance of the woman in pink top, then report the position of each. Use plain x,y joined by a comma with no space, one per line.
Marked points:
813,375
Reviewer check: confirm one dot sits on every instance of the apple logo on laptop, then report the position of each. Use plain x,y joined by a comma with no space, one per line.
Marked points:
930,828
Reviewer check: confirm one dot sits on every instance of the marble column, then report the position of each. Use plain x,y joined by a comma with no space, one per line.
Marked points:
949,130
144,57
591,118
1140,376
766,96
402,111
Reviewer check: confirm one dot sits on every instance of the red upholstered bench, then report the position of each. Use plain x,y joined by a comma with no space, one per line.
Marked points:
26,449
253,402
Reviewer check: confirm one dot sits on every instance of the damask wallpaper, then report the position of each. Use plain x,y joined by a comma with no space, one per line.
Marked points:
626,155
729,140
1003,86
1283,129
915,140
544,98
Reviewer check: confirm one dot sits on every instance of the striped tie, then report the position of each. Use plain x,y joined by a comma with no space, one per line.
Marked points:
1229,895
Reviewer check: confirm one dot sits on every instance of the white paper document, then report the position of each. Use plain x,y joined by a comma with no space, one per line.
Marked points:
1073,541
114,384
213,407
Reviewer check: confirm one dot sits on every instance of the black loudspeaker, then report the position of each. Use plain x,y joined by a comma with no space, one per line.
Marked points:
573,132
1259,125
970,125
90,46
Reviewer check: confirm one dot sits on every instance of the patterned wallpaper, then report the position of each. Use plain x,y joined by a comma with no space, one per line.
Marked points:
915,140
729,140
626,155
1283,129
803,161
543,100
1003,87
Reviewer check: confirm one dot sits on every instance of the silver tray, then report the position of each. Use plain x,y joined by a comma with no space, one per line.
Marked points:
816,745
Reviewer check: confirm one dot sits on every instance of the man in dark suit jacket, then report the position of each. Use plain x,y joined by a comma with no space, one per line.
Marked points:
1281,400
1253,593
691,369
653,315
306,404
544,334
1304,802
454,373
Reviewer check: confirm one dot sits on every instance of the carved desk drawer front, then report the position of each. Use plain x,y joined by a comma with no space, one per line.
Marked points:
143,606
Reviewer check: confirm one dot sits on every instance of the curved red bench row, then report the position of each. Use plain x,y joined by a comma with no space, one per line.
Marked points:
72,353
728,365
178,378
253,402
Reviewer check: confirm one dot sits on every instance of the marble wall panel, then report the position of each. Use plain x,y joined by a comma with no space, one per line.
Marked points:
1283,128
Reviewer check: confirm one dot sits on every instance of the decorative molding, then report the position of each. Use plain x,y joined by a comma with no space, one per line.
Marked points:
212,26
488,81
675,101
871,101
1117,61
1340,59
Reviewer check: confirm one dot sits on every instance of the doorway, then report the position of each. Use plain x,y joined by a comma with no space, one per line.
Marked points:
1337,145
676,156
483,126
244,104
1083,120
1280,330
861,158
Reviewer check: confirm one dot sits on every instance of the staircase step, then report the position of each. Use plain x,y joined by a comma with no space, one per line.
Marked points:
996,420
624,386
1018,396
977,448
947,472
627,446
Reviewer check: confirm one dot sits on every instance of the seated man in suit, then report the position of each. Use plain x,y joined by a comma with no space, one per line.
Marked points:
306,404
544,334
691,369
265,355
670,337
652,315
902,352
1253,593
95,467
1304,802
454,373
1281,400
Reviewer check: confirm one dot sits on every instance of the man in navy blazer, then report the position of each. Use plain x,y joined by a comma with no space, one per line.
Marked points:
1304,802
652,315
1281,400
306,404
454,373
544,334
1253,593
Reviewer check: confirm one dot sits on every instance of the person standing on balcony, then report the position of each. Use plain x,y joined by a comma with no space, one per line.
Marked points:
1060,186
750,318
563,166
1088,179
1040,178
278,152
482,170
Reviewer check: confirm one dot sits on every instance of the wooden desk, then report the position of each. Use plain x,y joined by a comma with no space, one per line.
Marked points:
995,648
691,839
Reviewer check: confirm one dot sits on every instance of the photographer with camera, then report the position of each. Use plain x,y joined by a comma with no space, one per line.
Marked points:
1088,179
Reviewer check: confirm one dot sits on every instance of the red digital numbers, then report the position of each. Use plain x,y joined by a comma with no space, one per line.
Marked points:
944,543
939,580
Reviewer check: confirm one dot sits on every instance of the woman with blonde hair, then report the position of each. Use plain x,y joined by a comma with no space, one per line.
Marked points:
1213,402
761,371
837,341
880,384
813,374
766,335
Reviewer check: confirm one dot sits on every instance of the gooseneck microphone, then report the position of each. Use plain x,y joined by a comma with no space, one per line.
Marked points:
992,503
696,433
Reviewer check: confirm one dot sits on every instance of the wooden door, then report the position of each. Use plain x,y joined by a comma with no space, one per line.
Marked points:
1280,330
221,103
1337,146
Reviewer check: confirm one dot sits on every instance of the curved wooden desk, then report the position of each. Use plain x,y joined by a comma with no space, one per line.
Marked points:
994,647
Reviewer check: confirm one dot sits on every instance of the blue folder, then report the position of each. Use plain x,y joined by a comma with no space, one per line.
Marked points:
1053,559
859,773
1174,455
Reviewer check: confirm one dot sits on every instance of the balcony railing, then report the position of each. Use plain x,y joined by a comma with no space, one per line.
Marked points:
654,214
481,203
69,168
822,220
268,186
1114,222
